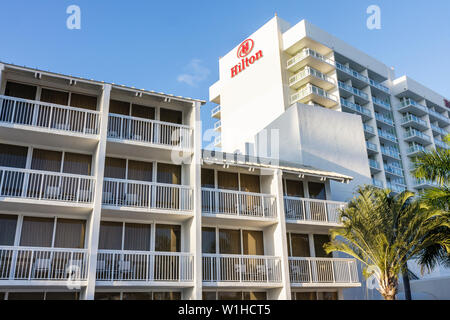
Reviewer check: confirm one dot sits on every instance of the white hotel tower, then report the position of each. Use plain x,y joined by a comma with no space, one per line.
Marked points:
105,193
306,84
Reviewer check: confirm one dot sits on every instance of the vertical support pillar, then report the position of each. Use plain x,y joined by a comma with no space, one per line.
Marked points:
94,220
2,86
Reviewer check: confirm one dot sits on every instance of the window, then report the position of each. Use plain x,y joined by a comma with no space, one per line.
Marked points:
19,90
70,233
55,97
253,242
143,112
224,295
172,116
139,170
319,241
115,168
167,296
169,173
110,235
298,245
208,178
227,180
107,296
119,107
167,238
37,232
46,160
251,295
62,296
13,156
209,295
77,163
26,295
137,296
317,191
327,295
8,225
229,241
137,237
208,240
250,183
304,295
83,101
294,188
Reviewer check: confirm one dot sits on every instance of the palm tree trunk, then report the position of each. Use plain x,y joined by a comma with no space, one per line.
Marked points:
406,284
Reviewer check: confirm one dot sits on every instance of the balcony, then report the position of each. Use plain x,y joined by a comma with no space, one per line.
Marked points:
327,272
215,112
218,142
441,144
395,187
311,58
300,210
411,120
239,270
369,131
362,78
374,166
439,130
384,119
364,112
42,266
315,94
354,91
413,135
218,126
149,132
310,75
391,153
393,170
383,104
22,185
409,105
388,136
415,149
441,118
142,268
377,183
379,86
232,204
371,147
143,196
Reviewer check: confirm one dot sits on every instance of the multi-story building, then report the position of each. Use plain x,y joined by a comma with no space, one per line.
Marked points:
105,193
281,66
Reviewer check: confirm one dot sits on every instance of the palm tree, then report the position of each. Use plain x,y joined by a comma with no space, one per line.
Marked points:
435,166
383,231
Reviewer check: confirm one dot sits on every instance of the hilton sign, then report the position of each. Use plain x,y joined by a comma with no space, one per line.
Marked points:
243,51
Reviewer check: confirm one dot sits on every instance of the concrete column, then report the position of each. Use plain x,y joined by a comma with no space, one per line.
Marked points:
94,221
2,68
196,225
279,238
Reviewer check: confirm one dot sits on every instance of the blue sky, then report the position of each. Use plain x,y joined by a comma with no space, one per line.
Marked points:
173,46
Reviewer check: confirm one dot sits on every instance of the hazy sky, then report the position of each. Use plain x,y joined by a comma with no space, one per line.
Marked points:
173,46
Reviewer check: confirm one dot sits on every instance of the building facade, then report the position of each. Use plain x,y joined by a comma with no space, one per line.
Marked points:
281,66
105,193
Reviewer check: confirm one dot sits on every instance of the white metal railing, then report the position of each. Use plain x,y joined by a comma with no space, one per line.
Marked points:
406,102
43,185
23,263
355,107
411,132
308,71
413,118
215,110
416,148
47,115
383,118
353,90
306,52
441,131
441,144
217,125
149,131
322,270
144,266
241,268
238,203
381,103
311,89
394,153
439,115
312,210
150,195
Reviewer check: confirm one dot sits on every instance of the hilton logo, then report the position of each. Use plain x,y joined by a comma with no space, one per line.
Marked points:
242,52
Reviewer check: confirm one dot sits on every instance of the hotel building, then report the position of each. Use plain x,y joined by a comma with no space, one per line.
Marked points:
106,193
327,104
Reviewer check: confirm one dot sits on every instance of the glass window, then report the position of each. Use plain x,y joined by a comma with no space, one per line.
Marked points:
76,163
83,101
227,180
209,295
327,295
317,190
54,96
319,241
172,116
107,296
115,168
137,237
46,160
299,245
13,156
137,296
143,112
37,232
70,233
8,225
110,235
250,183
208,178
169,173
208,240
119,107
19,90
166,295
305,295
139,170
26,296
229,241
255,295
294,189
167,238
62,296
227,295
253,242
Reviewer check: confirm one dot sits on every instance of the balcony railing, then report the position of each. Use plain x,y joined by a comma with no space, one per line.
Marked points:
411,132
238,203
307,53
410,102
395,187
216,110
359,76
390,152
393,170
413,118
439,130
353,90
356,107
142,266
441,144
147,195
241,268
48,116
149,131
387,135
323,270
371,146
381,103
416,148
384,119
43,185
377,183
439,116
311,89
308,71
374,164
51,264
312,210
369,129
